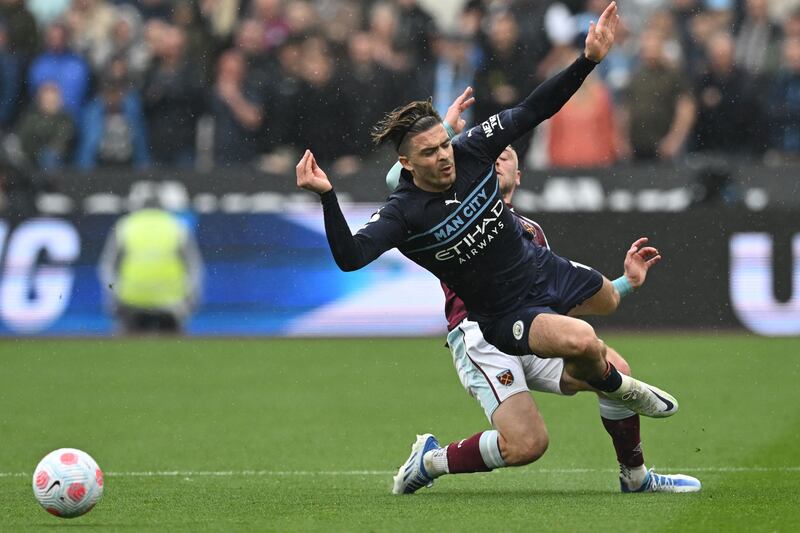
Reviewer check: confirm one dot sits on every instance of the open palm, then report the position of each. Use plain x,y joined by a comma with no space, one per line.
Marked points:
601,35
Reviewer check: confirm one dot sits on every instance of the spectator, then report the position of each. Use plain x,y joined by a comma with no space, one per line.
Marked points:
342,19
249,40
369,88
282,136
453,72
113,130
202,47
153,9
784,103
302,18
470,22
90,24
758,41
63,67
583,133
154,271
23,34
416,31
659,109
237,110
46,131
726,104
173,99
506,76
10,87
791,25
383,29
322,107
125,40
221,16
269,13
533,40
47,11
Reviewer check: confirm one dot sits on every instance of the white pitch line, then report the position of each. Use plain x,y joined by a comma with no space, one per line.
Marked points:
333,473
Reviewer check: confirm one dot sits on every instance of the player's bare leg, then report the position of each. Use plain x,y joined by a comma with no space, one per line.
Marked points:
573,340
603,302
584,357
519,438
522,432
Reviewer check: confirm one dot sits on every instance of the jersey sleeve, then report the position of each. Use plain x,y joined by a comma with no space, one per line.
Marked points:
490,138
384,231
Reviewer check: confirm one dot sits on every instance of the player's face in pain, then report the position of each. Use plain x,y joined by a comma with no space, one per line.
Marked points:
430,160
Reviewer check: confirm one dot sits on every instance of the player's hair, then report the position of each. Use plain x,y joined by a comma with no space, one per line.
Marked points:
405,122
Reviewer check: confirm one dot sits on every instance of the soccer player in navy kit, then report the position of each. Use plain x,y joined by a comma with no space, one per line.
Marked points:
501,383
448,216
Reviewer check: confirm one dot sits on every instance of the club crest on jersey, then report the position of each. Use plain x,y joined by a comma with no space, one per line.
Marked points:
506,377
518,329
529,228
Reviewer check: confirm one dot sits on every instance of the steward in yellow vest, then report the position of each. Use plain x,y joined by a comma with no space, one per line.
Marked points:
152,267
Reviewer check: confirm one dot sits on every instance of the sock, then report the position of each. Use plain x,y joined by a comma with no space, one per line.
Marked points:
478,453
633,477
435,462
625,436
611,380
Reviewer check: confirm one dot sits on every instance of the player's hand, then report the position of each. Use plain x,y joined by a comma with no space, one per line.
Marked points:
638,261
310,177
459,105
601,35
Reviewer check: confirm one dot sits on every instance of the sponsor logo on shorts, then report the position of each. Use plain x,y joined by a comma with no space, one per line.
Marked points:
518,329
506,377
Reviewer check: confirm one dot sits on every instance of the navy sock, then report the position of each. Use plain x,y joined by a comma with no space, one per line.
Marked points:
610,381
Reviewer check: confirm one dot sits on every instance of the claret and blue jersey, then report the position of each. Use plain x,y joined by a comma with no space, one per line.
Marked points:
466,236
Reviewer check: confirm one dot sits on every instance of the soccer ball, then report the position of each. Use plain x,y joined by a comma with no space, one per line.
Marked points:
68,483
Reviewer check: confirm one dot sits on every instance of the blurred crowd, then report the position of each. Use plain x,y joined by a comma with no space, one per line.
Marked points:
188,83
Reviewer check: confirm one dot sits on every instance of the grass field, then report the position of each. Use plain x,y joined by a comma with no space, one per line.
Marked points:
287,435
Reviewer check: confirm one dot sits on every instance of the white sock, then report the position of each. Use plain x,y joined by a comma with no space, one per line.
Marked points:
633,476
435,462
623,388
613,410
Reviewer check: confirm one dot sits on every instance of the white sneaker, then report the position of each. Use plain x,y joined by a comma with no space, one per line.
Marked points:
412,475
664,483
644,399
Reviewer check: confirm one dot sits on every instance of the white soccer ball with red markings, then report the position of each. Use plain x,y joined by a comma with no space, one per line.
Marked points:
68,483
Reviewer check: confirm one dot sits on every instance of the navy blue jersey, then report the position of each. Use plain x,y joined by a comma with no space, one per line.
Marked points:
465,236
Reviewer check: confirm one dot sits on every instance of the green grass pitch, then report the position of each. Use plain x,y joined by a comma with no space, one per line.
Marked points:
297,435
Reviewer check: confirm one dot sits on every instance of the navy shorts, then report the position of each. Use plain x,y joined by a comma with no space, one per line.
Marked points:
560,285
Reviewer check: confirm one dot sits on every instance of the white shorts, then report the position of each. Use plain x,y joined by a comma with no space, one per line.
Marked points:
492,376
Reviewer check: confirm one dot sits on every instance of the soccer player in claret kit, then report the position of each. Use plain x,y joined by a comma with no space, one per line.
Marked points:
448,216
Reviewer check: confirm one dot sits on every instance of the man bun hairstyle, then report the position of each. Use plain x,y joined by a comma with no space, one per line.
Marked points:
405,122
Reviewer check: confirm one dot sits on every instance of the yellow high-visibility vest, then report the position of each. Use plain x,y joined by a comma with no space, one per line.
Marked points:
152,273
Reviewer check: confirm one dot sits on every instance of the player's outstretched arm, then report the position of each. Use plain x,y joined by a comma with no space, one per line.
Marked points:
638,260
545,101
350,252
549,97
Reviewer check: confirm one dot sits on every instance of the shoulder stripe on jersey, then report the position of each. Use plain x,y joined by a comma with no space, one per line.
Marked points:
463,228
457,211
